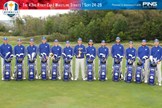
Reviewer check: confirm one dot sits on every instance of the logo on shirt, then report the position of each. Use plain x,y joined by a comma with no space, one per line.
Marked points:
33,48
120,47
133,51
46,46
21,48
57,49
8,47
145,49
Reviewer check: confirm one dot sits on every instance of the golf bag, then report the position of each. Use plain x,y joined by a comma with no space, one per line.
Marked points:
102,71
43,66
31,66
7,66
19,66
67,67
139,70
54,71
153,68
90,59
116,67
129,72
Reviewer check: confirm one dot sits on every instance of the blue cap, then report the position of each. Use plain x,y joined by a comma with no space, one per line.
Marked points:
67,42
55,40
5,38
117,38
90,40
156,40
43,38
79,39
144,40
31,40
103,41
130,42
19,40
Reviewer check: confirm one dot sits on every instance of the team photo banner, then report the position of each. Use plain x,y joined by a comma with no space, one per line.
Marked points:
11,5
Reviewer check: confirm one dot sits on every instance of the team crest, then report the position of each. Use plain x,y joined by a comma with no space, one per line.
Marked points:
11,8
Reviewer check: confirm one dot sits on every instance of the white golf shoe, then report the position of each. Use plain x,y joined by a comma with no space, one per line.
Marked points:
59,77
94,78
36,77
2,79
75,79
72,78
145,82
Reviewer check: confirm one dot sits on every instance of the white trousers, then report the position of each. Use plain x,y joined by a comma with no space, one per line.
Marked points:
146,69
158,72
2,63
79,63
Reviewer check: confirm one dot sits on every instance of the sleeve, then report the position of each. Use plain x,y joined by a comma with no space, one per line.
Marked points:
151,51
11,50
84,50
74,51
126,54
112,51
14,51
107,53
60,52
48,50
138,52
123,50
135,54
95,52
98,52
148,51
24,51
39,50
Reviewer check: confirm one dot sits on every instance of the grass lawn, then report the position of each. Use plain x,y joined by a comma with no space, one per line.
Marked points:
78,94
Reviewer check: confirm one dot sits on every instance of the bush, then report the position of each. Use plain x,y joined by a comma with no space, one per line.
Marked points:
59,36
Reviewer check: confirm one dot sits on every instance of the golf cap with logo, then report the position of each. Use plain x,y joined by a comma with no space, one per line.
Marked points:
90,40
117,38
5,38
130,42
43,38
31,40
144,40
156,40
19,40
79,39
55,40
67,42
103,41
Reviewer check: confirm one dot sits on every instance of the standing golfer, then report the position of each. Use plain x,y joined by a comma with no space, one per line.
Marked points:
156,52
19,52
68,51
30,50
57,50
143,54
5,48
103,51
44,47
118,49
79,52
91,54
130,54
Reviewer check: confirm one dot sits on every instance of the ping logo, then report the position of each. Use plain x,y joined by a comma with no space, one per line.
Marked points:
11,8
149,5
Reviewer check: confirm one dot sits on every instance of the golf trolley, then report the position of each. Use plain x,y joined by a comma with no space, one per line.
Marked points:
54,71
89,70
19,67
116,67
43,66
67,67
7,66
102,71
31,66
129,72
